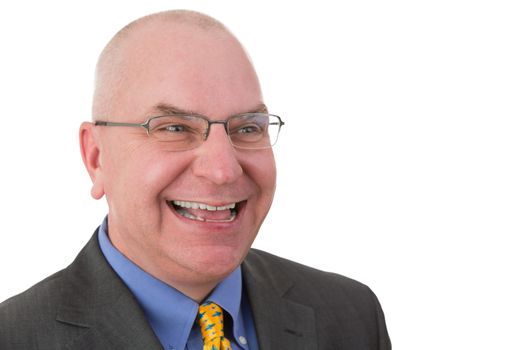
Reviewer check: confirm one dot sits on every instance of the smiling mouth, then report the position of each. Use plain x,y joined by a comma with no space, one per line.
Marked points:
205,212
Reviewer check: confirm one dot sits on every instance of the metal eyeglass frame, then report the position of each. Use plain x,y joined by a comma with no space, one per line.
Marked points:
209,122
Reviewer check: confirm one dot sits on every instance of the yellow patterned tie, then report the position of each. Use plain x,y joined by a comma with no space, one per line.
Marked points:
212,327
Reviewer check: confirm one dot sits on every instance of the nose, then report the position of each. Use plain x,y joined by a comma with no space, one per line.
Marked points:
217,159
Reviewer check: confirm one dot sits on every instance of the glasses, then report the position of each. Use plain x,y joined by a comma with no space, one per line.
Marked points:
185,132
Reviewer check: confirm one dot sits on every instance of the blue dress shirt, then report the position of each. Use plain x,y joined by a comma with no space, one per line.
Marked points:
172,314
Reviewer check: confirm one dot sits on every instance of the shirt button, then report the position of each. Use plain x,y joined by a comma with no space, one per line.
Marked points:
243,340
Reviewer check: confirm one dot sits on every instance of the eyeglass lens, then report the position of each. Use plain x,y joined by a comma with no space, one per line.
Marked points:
251,131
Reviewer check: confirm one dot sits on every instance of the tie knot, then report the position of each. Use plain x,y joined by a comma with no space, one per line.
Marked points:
211,322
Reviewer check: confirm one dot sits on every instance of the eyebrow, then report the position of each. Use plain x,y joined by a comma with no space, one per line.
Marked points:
168,109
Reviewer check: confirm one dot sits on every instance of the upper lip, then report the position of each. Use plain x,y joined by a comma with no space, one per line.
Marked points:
204,205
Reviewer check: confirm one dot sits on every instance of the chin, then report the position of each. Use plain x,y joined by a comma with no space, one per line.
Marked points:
213,263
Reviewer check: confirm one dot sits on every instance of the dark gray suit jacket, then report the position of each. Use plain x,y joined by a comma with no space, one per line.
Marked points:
87,307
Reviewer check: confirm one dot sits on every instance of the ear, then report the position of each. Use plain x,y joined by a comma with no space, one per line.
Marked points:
90,149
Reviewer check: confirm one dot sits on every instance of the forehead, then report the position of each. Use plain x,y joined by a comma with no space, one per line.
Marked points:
201,69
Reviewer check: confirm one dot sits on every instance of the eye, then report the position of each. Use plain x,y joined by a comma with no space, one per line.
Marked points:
185,131
248,129
174,128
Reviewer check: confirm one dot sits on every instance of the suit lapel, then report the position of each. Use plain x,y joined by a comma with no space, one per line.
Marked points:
280,323
104,314
96,300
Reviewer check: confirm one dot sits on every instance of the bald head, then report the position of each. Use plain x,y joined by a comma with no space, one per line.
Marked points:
128,50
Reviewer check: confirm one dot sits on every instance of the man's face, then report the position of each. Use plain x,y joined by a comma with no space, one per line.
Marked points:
204,72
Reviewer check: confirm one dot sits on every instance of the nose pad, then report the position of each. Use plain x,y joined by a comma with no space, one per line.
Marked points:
217,159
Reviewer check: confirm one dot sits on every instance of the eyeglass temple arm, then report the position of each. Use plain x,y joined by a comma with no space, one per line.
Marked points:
104,123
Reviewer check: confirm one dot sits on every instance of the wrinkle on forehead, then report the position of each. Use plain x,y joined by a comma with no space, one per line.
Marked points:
110,69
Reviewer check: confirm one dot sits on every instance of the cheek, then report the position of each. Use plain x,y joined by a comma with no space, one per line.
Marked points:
159,172
141,174
261,170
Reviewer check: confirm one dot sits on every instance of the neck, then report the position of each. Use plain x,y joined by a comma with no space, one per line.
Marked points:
185,282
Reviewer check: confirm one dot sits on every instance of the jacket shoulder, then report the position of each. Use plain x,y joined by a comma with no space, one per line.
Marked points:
337,301
40,299
30,315
280,270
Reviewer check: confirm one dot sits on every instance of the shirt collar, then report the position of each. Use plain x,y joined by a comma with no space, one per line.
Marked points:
170,313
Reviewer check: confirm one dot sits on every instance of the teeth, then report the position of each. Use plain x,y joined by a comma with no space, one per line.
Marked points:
182,206
229,206
203,206
189,216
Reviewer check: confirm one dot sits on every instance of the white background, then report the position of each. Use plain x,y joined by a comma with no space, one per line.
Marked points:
401,163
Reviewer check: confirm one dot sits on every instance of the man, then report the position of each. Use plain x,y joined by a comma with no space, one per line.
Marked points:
180,146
